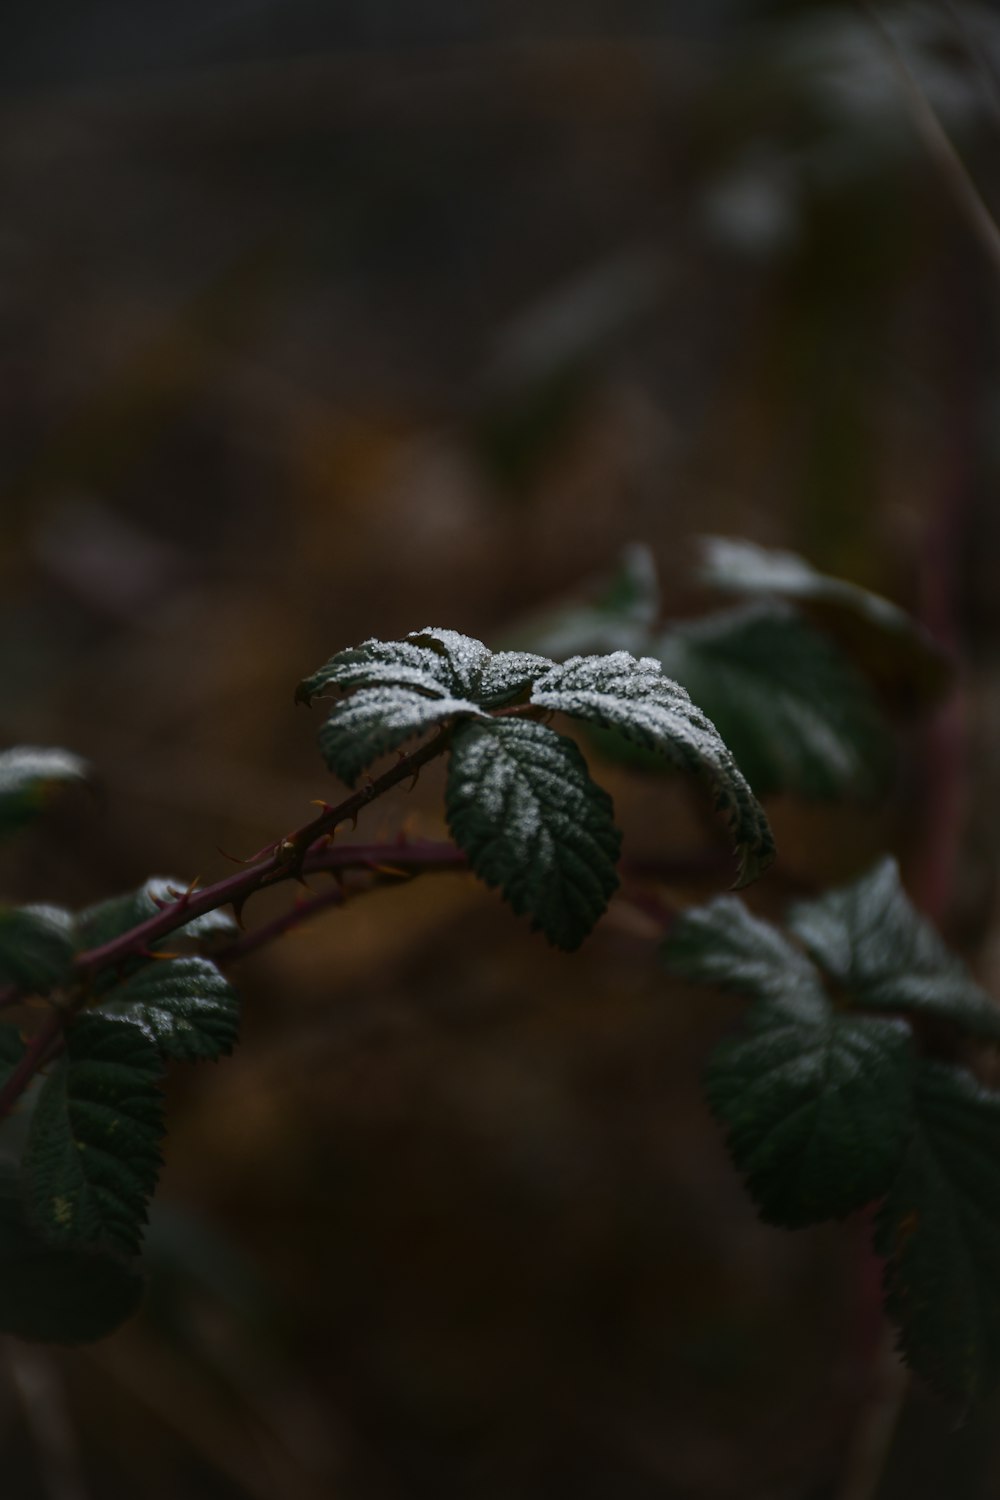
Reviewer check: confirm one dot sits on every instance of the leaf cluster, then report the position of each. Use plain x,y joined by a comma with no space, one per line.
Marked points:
834,1097
520,800
74,1192
794,676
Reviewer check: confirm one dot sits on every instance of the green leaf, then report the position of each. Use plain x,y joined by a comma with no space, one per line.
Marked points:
36,947
376,720
183,1005
63,1296
92,1154
99,924
624,609
722,944
939,1228
634,697
817,1112
816,1101
29,778
521,804
793,710
891,646
887,957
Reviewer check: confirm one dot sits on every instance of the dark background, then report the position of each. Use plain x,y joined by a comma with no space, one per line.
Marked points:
319,321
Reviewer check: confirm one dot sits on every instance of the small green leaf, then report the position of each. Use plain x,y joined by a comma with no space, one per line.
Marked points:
183,1005
521,804
62,1296
99,924
869,939
792,708
891,646
939,1229
36,947
817,1112
29,778
634,697
92,1154
721,944
376,720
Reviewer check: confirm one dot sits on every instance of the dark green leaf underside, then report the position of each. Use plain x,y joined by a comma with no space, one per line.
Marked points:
56,1295
93,1149
817,1113
521,804
939,1228
795,713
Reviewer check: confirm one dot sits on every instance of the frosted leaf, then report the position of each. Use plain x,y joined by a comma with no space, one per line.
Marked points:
507,674
462,659
379,719
634,697
521,804
392,663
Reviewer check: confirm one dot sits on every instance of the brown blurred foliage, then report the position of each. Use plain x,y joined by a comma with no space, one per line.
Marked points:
340,323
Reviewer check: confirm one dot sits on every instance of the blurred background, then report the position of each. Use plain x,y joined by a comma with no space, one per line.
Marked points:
328,320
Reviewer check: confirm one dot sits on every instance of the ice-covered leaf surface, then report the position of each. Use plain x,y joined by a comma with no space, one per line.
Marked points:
36,947
29,778
380,663
792,709
56,1294
93,1149
871,941
523,807
183,1005
817,1111
893,647
376,720
634,697
439,663
939,1229
403,688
